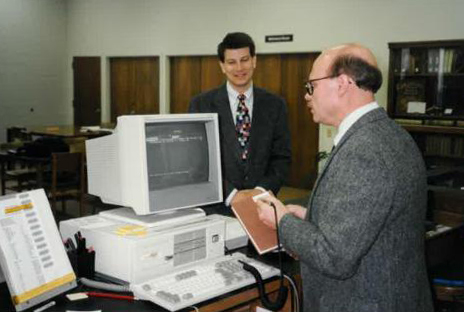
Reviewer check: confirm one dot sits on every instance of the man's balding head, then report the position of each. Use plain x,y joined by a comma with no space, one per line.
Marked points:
342,79
356,61
356,50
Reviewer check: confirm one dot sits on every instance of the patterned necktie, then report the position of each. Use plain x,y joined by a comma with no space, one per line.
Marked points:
243,125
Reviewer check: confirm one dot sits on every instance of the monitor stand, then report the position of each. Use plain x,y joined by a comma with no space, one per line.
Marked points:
127,215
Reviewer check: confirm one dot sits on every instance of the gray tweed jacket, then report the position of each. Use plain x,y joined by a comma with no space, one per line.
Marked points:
361,247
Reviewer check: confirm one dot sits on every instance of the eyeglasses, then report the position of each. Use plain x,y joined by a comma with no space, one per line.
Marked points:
309,84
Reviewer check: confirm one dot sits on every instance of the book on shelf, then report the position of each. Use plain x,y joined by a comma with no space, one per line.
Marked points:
407,122
460,123
437,122
405,62
409,90
433,60
444,60
441,64
458,61
449,59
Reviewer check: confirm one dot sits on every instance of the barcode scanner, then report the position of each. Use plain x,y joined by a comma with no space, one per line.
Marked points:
283,290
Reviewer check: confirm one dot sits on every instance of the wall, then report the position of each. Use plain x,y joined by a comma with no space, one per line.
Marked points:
176,27
32,63
38,39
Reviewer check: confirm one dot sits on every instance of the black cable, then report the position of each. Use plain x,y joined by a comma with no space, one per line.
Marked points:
296,303
279,248
292,295
283,291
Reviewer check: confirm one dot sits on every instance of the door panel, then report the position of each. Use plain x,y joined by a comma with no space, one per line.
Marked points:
281,74
134,84
267,73
190,76
87,91
211,74
185,82
304,132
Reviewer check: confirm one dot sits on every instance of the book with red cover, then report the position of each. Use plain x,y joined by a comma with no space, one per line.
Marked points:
263,238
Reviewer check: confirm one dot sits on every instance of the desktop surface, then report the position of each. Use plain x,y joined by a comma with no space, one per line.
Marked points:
219,303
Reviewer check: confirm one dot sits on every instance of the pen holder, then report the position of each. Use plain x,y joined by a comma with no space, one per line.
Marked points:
83,263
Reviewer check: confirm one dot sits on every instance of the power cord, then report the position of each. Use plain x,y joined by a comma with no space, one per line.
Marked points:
283,290
294,290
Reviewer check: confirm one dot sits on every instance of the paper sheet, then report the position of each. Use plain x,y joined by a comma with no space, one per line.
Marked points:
33,258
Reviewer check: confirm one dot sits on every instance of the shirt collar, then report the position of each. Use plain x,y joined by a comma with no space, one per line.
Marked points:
354,116
234,94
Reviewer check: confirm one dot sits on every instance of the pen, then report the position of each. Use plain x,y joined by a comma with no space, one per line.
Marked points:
45,307
109,295
71,244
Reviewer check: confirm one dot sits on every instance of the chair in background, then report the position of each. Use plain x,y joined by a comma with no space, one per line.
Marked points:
18,172
66,180
17,135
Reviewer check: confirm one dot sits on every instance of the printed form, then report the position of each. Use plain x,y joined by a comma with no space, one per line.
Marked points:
32,255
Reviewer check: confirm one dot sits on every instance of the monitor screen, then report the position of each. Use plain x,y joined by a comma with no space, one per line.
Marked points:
177,154
155,163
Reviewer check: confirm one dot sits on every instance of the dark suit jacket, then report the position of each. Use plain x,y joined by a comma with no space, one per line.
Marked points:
361,247
269,146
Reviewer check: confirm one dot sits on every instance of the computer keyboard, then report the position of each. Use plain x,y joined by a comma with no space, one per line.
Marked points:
200,282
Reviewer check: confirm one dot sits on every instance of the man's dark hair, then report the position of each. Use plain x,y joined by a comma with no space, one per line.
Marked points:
366,76
235,40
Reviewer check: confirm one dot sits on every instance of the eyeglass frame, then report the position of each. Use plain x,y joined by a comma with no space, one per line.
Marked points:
309,84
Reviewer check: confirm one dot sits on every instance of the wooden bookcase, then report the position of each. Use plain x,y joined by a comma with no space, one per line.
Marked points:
426,96
426,82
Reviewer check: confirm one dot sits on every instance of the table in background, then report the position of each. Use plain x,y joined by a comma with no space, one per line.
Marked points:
67,131
74,136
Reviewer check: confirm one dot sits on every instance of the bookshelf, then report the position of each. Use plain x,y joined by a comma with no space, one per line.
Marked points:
426,96
426,82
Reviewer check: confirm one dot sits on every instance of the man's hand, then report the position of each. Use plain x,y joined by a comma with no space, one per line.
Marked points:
266,212
244,194
297,211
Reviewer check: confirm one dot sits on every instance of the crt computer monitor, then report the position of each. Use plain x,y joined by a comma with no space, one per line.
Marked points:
157,163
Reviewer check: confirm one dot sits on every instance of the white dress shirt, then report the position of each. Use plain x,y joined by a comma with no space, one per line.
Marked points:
349,120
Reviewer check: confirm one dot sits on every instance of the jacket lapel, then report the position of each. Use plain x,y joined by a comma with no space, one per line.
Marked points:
227,124
255,122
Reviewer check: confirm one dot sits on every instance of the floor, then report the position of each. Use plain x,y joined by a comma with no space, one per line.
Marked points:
296,196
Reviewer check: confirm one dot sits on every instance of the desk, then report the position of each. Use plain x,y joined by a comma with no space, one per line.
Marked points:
242,300
72,135
37,162
66,131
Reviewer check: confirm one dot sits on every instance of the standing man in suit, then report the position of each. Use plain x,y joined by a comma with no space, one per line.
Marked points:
255,139
360,241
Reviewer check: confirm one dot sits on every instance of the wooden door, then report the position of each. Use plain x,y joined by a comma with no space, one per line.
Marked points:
281,74
304,131
87,91
134,84
191,76
284,75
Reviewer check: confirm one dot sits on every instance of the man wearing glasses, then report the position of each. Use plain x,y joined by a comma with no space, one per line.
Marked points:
360,242
255,139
